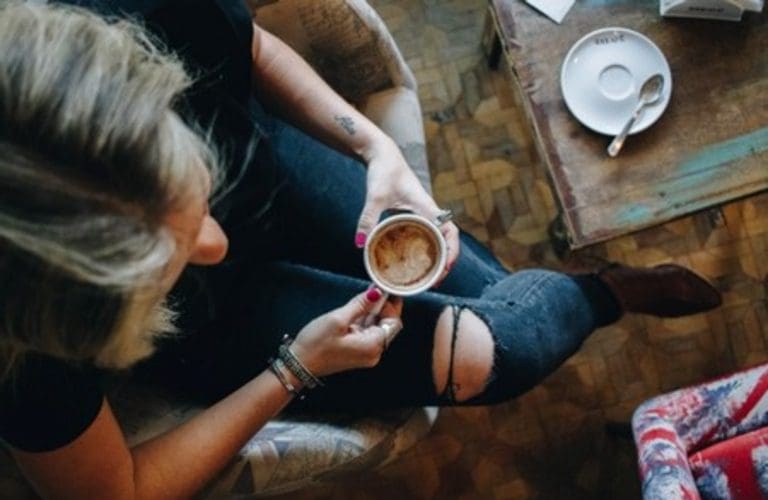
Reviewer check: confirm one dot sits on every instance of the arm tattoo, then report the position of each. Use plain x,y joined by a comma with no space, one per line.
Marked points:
347,123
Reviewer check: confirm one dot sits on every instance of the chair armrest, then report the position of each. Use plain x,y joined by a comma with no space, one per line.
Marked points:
671,427
288,453
350,47
345,41
662,458
397,112
293,453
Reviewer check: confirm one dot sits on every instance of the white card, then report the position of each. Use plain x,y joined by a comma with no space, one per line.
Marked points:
554,9
730,10
753,5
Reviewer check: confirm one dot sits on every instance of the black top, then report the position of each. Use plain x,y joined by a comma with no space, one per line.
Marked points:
49,403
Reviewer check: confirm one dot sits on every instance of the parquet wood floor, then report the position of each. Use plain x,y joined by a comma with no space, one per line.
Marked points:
552,443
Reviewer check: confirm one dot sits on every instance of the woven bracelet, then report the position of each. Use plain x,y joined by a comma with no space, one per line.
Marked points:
295,366
275,367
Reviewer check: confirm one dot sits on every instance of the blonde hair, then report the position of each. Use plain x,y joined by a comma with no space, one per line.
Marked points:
92,160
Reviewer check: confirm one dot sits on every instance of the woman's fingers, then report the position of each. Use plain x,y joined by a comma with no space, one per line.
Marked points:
390,306
339,340
374,340
451,233
393,307
369,217
453,247
429,209
390,327
449,230
359,306
385,324
364,345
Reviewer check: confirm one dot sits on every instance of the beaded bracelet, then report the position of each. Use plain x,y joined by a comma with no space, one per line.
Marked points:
275,366
295,366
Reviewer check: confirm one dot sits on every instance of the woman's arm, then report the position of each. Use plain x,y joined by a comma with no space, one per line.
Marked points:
179,463
300,96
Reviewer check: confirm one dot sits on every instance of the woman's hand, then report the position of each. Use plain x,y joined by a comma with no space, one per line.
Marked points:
293,87
392,184
345,338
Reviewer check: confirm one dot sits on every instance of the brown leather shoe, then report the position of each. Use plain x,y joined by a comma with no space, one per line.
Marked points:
667,291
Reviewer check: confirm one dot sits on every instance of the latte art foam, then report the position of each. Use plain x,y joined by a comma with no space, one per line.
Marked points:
404,255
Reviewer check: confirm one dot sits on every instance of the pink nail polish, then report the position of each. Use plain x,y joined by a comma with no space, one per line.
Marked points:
360,240
373,295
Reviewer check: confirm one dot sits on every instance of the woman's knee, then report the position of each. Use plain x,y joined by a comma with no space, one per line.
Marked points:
466,361
532,286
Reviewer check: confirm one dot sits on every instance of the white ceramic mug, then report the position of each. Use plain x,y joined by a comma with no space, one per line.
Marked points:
434,235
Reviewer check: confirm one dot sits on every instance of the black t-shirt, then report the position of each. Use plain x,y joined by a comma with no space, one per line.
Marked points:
49,403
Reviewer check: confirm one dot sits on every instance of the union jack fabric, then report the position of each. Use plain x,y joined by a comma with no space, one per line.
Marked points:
708,441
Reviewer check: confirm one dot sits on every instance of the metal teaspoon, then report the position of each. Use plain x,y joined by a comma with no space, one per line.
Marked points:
650,93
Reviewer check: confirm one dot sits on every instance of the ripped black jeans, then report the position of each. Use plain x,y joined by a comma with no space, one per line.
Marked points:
299,261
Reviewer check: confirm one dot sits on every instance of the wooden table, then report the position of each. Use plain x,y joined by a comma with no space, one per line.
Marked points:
710,146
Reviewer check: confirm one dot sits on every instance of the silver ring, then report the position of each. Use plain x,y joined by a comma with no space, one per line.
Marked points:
391,328
443,217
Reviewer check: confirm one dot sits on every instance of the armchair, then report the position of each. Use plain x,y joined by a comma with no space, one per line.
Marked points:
349,45
709,441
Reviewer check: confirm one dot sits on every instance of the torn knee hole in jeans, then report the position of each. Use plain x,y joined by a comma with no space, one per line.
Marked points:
459,385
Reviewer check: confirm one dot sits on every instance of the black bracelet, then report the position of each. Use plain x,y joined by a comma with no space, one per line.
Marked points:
296,367
275,367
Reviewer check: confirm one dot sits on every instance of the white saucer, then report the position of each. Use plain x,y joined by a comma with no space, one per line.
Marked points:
602,75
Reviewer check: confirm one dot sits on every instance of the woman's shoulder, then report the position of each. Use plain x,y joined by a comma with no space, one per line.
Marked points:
203,32
46,403
116,7
236,11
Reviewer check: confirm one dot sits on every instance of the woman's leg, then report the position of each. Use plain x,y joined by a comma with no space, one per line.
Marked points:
311,220
483,337
521,330
527,325
326,191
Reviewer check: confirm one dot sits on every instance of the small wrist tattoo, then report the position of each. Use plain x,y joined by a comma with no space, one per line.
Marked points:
347,123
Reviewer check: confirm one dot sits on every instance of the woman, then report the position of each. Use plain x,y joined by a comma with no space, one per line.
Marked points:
104,181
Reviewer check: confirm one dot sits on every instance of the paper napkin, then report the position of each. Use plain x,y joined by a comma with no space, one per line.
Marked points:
554,9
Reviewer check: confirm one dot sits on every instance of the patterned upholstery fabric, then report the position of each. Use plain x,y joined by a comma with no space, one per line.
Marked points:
346,42
287,454
706,441
349,45
735,468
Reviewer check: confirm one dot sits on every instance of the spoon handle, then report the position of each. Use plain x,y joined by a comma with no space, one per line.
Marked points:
618,141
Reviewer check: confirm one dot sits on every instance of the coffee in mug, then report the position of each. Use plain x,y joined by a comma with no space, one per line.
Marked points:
405,254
